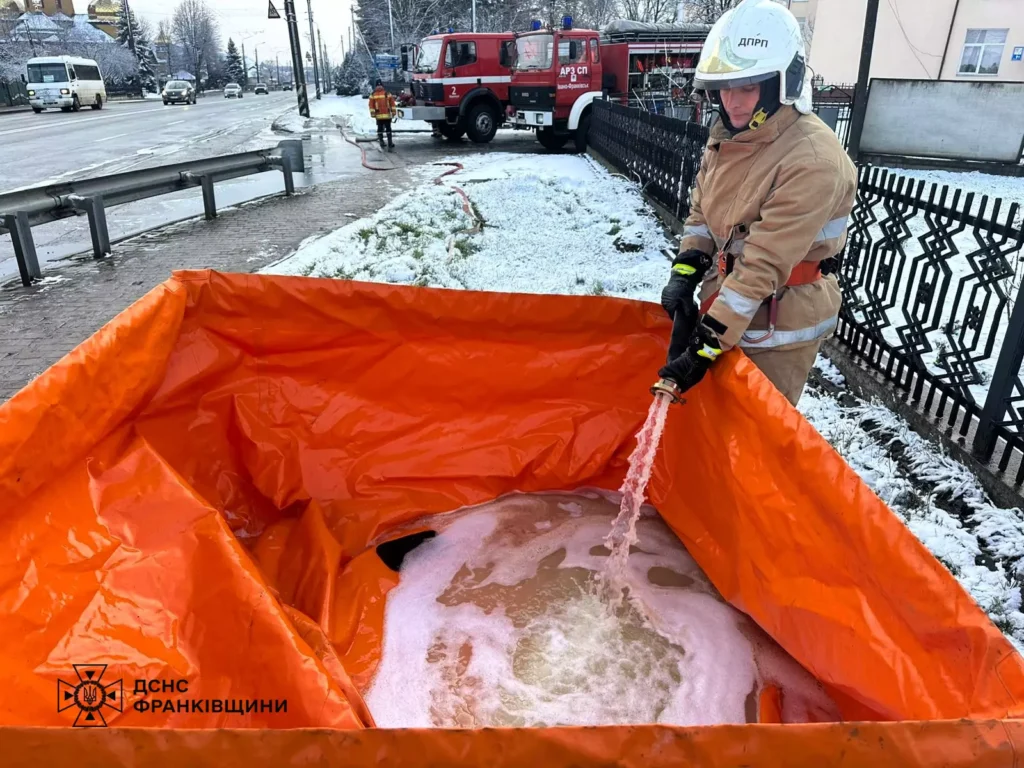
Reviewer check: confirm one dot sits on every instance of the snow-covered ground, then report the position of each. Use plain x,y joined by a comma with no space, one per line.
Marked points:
350,112
577,229
1010,189
567,226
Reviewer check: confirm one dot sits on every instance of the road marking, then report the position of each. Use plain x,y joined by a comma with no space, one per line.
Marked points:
40,125
110,138
44,126
176,122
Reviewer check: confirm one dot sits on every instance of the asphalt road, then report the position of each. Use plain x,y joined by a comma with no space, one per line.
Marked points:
58,146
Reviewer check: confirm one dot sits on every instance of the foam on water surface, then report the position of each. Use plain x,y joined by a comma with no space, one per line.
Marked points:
497,621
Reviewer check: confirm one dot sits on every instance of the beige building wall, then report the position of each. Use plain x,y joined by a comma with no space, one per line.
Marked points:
910,40
987,15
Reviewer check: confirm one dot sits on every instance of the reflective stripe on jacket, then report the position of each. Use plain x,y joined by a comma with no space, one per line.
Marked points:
784,194
382,104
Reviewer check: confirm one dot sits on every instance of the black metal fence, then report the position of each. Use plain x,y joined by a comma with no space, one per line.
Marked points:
931,277
660,153
834,105
13,93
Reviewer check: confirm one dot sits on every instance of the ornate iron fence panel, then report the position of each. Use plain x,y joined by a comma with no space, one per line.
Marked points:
932,280
932,299
660,153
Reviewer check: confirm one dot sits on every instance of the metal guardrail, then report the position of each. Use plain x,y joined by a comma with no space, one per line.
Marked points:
27,208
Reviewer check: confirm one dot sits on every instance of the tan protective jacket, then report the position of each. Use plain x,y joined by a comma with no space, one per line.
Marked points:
784,193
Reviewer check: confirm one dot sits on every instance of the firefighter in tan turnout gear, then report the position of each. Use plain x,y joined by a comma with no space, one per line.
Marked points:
769,210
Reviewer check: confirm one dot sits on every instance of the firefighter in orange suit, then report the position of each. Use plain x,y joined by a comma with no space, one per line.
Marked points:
382,108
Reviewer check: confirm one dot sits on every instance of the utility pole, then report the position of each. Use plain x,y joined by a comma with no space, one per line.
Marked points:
245,68
474,18
298,73
277,69
131,31
323,60
391,21
860,97
312,44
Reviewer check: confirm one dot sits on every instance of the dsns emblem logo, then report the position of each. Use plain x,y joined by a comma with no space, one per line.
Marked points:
90,695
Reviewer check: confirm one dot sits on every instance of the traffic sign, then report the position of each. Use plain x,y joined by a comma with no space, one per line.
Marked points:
385,61
272,11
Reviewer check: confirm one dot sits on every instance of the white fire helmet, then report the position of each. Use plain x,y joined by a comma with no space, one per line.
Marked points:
754,42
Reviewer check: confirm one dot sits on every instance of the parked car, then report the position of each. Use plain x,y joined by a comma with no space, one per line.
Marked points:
286,87
233,91
179,92
261,88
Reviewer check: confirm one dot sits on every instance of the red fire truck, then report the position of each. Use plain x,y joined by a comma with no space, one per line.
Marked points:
557,74
460,83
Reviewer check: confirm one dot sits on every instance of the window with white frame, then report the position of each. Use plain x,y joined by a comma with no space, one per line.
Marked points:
983,50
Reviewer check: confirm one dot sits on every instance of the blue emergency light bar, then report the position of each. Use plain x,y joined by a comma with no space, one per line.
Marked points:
567,22
535,25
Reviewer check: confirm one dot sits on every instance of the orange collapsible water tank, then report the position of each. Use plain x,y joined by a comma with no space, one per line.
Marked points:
186,501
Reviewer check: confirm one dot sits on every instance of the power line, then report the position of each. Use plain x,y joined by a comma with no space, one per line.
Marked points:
913,48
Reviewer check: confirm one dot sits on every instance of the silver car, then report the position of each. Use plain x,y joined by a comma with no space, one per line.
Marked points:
232,91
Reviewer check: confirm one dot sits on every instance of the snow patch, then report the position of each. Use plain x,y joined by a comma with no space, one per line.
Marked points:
52,280
829,372
352,112
1010,189
547,228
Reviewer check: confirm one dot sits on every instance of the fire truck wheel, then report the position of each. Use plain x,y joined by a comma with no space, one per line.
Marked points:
551,140
582,131
482,123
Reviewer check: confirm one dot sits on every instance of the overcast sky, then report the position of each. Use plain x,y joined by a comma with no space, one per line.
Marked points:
246,20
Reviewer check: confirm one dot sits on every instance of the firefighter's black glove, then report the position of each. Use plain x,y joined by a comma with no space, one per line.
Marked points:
703,349
688,270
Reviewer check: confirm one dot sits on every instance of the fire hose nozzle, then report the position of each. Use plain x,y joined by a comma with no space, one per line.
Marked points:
668,387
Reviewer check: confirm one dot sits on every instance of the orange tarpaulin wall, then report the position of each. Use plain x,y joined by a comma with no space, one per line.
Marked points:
189,495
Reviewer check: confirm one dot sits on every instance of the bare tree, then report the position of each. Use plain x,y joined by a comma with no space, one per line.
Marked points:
195,28
707,11
652,10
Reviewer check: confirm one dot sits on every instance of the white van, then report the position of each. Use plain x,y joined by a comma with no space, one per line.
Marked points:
67,82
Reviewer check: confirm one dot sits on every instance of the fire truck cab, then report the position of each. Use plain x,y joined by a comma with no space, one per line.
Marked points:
558,73
460,83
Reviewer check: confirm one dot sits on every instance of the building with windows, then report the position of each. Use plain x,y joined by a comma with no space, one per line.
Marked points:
806,12
922,40
39,18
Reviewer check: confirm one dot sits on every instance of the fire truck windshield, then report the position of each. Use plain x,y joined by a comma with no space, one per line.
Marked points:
430,54
534,51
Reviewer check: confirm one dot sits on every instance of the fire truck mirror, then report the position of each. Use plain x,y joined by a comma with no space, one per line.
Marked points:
505,53
574,50
405,58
